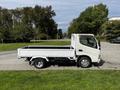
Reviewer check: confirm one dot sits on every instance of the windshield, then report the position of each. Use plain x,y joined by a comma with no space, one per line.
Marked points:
88,41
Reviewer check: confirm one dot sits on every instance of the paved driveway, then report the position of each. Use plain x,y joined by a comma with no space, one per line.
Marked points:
110,55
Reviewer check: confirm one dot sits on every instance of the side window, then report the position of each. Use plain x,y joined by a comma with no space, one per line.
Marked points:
88,41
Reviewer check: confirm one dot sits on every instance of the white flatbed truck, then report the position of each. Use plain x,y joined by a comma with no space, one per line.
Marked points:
84,50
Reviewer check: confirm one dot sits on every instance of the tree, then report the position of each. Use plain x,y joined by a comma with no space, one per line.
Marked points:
43,20
24,24
89,20
5,24
22,33
1,34
111,29
60,34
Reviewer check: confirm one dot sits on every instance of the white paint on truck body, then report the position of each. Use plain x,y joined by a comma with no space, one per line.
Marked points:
46,52
93,53
77,48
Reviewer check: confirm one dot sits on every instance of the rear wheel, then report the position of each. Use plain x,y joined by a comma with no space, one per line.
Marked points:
39,63
84,62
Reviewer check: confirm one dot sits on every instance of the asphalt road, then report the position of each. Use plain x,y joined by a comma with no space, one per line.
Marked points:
110,56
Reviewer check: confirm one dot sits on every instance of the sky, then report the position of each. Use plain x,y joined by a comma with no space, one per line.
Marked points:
66,10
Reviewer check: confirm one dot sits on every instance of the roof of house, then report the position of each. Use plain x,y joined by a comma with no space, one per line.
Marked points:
114,18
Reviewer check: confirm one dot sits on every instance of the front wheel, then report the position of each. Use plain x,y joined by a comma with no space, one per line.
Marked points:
84,62
39,63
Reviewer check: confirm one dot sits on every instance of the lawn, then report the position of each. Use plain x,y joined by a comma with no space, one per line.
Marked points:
14,46
60,80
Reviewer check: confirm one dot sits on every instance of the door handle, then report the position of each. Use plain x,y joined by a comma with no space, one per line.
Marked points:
80,50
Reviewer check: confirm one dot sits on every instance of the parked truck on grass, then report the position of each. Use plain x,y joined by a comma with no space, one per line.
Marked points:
84,51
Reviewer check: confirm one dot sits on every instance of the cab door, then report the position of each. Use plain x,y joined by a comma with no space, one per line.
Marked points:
88,45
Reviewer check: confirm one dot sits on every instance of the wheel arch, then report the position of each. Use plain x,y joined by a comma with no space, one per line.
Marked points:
33,58
84,56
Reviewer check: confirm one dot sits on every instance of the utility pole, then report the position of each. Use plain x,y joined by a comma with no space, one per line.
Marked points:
13,17
2,41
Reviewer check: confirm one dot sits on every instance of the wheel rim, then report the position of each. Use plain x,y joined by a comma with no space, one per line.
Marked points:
85,63
39,64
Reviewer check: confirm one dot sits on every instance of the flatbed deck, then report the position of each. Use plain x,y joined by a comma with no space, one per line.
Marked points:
48,47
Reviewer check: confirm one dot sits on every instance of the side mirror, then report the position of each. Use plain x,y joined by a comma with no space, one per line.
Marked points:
99,44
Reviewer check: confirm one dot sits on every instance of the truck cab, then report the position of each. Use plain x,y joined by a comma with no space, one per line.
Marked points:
87,47
84,50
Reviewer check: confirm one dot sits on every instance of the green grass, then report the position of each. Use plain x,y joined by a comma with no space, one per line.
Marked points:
14,46
60,80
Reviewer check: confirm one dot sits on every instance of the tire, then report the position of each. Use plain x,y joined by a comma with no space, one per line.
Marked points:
39,63
84,62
